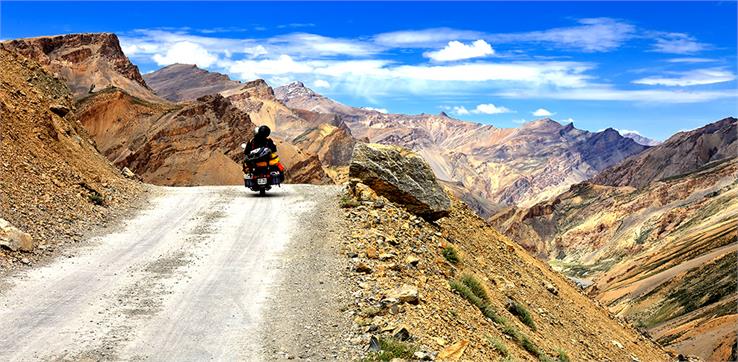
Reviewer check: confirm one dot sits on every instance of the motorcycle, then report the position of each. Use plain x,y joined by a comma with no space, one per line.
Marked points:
264,170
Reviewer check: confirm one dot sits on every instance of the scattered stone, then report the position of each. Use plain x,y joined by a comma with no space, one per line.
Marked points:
404,294
412,260
362,267
386,256
454,351
128,173
371,253
374,345
617,344
551,288
59,109
401,333
423,356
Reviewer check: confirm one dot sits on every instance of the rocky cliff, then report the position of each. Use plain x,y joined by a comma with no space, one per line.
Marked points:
644,248
54,185
86,62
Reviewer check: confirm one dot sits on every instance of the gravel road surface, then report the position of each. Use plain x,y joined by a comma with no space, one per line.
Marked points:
203,273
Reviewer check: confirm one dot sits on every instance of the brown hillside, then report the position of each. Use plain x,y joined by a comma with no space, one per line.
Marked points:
391,248
53,182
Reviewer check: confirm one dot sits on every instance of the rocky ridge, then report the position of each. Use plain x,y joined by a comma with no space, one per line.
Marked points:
86,62
643,248
519,166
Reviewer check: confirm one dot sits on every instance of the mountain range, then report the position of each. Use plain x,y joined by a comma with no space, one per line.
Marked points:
650,227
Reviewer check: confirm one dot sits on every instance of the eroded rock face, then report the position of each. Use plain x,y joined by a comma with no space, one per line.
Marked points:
402,177
86,62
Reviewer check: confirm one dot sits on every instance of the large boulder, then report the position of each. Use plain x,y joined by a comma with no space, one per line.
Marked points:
13,238
401,176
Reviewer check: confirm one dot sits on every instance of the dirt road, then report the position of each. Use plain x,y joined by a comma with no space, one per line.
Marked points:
192,277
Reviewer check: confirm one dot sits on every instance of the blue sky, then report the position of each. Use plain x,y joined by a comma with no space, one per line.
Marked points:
656,68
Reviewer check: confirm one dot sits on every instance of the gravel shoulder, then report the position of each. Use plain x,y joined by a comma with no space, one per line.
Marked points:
306,317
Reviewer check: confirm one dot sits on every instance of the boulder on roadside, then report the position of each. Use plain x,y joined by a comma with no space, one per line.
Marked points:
13,238
402,177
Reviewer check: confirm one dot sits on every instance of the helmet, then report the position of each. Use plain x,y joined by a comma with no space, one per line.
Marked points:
262,131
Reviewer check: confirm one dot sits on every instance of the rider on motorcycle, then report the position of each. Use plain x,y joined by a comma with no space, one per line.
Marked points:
261,139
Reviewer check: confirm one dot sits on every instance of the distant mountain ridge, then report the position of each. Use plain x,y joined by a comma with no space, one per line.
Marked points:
657,242
502,165
183,82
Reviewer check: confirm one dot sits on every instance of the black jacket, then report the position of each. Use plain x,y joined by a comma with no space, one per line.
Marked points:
260,142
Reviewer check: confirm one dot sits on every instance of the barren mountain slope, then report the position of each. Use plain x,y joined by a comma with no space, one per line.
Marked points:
682,153
394,252
85,61
504,166
659,255
53,183
187,82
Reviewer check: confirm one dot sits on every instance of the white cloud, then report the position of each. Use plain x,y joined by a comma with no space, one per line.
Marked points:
252,69
591,35
456,50
187,53
690,78
320,83
542,112
255,51
380,110
425,38
488,108
317,45
677,43
690,60
568,120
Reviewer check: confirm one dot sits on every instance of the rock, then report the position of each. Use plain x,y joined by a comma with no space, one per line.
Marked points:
371,253
422,356
454,351
361,267
59,109
401,176
551,288
386,256
404,294
128,173
374,345
401,333
412,260
617,344
14,238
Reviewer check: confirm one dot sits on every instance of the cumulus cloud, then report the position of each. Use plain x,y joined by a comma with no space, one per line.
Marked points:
380,110
542,112
456,50
187,53
320,83
252,69
255,51
689,78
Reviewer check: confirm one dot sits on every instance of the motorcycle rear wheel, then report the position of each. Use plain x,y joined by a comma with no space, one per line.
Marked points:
262,192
